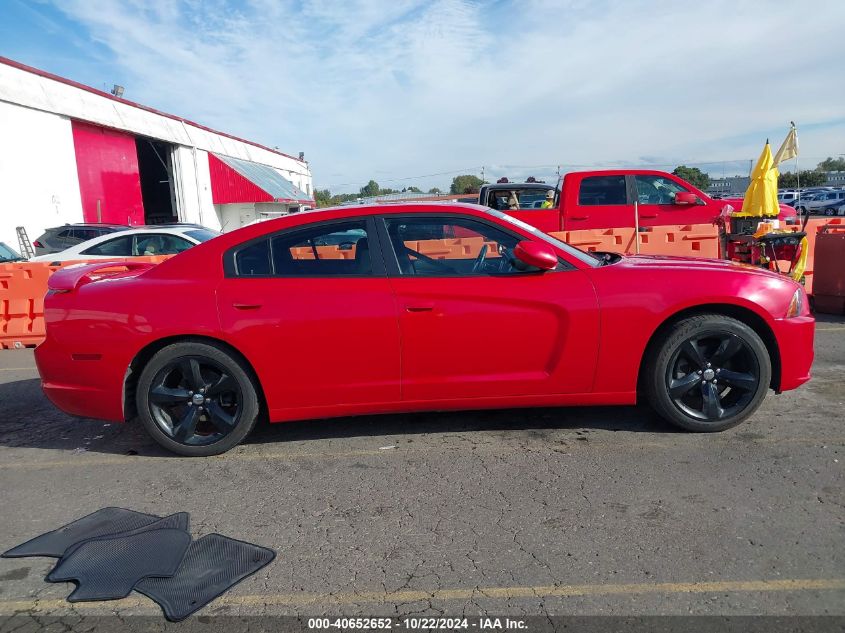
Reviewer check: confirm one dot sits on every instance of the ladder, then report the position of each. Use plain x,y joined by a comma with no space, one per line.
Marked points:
24,243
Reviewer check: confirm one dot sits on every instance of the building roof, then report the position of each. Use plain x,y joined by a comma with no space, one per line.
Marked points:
69,82
257,183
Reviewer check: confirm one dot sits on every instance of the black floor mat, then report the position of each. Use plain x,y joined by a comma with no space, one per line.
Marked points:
99,523
108,568
177,521
212,565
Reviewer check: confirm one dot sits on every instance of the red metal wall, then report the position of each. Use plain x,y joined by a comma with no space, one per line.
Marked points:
107,163
228,186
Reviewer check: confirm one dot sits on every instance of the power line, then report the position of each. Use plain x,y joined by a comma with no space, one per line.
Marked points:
560,168
442,173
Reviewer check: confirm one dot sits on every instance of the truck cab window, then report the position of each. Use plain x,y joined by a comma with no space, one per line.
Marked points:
601,190
657,190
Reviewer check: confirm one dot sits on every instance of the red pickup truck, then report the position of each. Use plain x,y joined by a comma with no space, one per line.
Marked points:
608,199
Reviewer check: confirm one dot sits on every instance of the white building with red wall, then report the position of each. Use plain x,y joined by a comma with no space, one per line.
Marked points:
70,153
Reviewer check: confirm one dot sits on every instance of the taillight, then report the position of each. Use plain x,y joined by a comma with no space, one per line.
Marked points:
37,244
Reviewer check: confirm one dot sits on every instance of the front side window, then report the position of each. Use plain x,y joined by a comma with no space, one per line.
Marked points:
159,244
338,249
117,247
657,190
449,246
603,190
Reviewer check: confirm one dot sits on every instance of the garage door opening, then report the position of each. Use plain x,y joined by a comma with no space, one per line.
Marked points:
155,166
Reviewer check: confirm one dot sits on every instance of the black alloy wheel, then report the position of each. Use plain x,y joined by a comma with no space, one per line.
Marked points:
197,399
707,373
713,376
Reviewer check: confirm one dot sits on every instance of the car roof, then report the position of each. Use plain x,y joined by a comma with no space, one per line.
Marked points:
519,185
89,225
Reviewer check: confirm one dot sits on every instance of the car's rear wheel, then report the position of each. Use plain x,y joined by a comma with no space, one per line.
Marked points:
197,399
707,373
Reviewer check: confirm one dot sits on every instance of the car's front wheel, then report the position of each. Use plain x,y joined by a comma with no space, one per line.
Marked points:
707,373
197,399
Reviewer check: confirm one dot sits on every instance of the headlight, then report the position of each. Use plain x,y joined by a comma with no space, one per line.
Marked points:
795,304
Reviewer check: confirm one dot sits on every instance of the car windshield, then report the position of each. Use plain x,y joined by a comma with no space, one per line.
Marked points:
201,235
578,254
7,254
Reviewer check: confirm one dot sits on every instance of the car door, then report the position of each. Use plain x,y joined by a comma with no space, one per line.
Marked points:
656,202
598,202
473,325
313,311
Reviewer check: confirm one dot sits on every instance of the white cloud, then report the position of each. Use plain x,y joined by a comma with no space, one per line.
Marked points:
391,89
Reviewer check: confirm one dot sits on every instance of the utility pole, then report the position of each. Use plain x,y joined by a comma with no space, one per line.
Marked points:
482,174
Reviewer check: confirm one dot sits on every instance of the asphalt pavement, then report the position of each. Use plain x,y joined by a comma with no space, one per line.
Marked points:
544,511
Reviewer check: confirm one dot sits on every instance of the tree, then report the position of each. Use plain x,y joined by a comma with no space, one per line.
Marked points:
809,178
435,191
832,164
693,175
414,190
370,189
323,197
466,183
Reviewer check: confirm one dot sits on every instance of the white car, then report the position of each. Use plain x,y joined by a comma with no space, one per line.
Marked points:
140,242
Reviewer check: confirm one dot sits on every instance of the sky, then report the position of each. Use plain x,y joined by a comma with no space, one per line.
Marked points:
412,93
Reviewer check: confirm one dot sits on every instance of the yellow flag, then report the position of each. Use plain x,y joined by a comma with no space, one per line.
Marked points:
788,149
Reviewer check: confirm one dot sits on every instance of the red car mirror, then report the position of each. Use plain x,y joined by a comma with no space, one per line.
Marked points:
685,197
537,254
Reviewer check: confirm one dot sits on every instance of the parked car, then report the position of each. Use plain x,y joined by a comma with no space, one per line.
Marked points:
814,202
788,197
134,243
8,254
59,238
436,307
830,207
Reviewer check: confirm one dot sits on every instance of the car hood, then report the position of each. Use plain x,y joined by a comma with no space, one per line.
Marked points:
669,262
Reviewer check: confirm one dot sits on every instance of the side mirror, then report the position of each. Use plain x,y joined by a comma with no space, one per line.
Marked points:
537,254
685,197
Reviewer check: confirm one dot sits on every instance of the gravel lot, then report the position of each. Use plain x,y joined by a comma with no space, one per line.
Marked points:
558,511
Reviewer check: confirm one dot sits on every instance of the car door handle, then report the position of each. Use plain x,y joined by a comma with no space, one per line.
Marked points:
578,217
246,306
643,215
420,307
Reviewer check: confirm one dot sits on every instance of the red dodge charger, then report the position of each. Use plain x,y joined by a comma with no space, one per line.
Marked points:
412,307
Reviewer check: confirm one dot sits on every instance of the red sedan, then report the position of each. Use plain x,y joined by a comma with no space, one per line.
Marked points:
412,307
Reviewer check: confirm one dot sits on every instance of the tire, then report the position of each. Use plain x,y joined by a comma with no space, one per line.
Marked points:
689,361
829,212
197,399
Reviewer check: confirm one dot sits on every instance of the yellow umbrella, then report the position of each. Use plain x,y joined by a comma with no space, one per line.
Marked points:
761,197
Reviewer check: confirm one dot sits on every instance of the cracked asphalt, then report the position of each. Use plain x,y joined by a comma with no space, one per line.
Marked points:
530,512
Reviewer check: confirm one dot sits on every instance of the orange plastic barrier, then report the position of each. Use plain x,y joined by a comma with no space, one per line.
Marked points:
689,240
22,289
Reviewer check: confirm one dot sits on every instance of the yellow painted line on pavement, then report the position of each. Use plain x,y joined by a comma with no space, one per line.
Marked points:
500,593
582,448
18,368
830,329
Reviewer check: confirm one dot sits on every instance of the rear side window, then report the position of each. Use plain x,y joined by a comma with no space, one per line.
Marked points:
601,190
254,260
335,250
118,247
